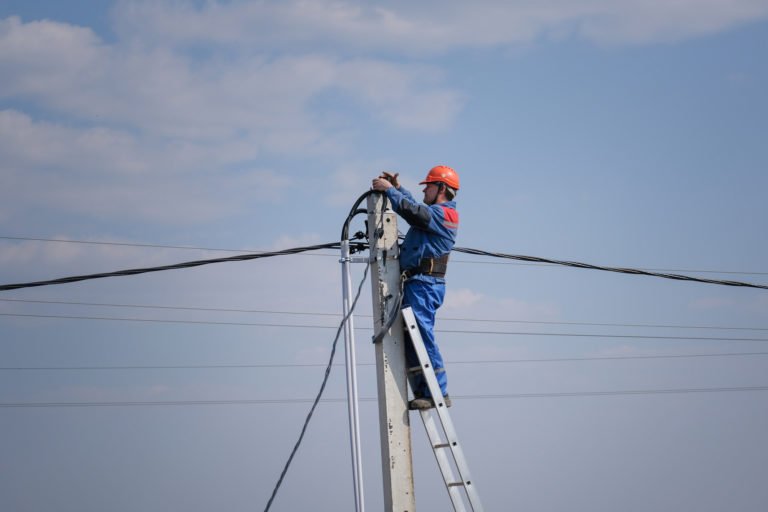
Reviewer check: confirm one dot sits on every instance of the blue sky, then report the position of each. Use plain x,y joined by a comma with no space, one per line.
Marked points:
624,135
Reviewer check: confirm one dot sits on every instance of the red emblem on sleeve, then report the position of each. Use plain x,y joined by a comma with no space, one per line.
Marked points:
451,218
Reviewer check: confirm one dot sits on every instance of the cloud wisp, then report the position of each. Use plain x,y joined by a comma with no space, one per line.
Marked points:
429,27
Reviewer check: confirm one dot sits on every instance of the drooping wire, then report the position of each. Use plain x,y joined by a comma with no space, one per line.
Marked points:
221,249
320,393
335,245
536,259
188,264
344,237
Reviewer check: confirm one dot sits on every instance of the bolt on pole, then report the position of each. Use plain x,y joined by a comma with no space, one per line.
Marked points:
391,369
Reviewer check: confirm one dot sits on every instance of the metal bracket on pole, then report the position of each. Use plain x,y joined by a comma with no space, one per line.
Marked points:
355,259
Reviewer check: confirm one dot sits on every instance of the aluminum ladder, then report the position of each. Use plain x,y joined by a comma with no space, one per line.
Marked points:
446,447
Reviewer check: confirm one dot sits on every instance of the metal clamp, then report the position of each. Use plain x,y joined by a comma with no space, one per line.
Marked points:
355,259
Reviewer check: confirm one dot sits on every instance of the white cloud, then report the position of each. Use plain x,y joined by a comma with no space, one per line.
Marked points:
106,173
107,115
466,303
397,93
428,27
122,119
25,142
351,179
45,54
641,21
162,92
461,299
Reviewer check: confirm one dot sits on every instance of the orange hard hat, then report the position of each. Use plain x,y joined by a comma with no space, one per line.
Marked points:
444,174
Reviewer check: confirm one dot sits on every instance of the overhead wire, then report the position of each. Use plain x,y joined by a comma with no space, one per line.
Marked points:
318,398
141,245
289,401
363,315
222,249
634,271
308,365
335,245
175,266
444,331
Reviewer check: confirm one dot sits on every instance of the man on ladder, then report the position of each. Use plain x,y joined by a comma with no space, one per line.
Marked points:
424,259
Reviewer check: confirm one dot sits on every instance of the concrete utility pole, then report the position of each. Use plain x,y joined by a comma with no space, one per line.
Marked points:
391,370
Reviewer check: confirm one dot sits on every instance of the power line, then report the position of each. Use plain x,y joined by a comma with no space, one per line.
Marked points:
310,365
187,264
337,315
135,244
332,245
550,265
287,401
168,321
617,393
605,324
446,331
634,271
178,308
220,249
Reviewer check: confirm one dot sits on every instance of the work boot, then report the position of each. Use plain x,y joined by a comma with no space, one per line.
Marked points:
426,402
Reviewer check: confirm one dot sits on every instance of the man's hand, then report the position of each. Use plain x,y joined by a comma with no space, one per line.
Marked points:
392,178
380,184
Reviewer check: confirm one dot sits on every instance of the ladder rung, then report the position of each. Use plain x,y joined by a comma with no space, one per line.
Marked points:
441,415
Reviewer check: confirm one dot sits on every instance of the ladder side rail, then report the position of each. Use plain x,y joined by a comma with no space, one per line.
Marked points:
449,477
442,410
461,461
458,453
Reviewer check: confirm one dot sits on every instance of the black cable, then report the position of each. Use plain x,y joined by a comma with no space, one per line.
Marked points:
335,245
188,264
550,265
320,393
344,238
577,264
196,248
354,211
393,314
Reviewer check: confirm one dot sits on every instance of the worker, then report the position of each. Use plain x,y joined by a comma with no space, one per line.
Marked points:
423,260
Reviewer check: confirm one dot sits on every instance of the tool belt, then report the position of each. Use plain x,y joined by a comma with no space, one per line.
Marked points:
434,267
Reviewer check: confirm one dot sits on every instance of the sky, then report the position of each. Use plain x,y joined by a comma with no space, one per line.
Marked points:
144,133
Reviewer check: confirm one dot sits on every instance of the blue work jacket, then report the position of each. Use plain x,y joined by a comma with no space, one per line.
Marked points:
432,232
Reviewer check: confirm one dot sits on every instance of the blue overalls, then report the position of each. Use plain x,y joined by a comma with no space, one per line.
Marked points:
432,234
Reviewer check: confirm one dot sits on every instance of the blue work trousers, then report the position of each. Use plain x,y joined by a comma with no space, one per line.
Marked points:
424,298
